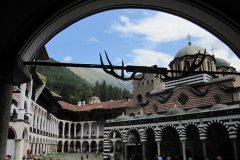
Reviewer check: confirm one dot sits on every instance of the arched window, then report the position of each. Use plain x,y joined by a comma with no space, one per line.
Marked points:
201,66
224,74
209,65
139,98
187,64
178,67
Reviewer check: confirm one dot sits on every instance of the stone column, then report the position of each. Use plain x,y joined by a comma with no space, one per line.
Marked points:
203,140
62,147
143,150
90,130
125,150
6,91
82,126
97,146
183,141
158,147
75,130
33,149
235,152
97,131
21,110
114,146
63,132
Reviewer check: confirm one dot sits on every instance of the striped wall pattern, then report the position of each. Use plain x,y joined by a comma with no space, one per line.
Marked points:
230,123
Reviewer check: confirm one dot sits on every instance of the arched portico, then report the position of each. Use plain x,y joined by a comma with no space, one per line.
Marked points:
151,145
170,143
218,142
193,143
215,23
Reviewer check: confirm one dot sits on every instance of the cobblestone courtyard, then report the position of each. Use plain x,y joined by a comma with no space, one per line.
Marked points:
72,156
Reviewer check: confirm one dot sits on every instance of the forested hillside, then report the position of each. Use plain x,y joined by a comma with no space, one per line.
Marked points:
73,88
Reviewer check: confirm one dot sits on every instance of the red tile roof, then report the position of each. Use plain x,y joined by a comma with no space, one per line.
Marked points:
113,104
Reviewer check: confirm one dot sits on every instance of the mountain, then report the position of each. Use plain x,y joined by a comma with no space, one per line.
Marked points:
94,75
78,84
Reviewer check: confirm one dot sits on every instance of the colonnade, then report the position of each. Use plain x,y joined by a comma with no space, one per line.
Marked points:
199,141
80,130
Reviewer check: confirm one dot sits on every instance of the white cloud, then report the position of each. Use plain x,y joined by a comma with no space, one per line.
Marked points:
93,40
162,27
67,59
145,57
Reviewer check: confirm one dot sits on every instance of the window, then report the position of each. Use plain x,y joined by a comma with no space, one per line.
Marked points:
139,98
209,65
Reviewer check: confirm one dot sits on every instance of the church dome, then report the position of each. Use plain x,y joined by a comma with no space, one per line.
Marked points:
189,50
194,110
218,106
221,63
123,117
174,111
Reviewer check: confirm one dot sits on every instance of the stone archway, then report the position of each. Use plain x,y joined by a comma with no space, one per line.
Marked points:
193,143
59,146
170,143
218,142
133,146
151,145
66,144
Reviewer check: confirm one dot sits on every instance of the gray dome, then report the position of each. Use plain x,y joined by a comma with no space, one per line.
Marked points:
140,116
189,50
175,110
194,110
154,115
218,106
221,63
123,117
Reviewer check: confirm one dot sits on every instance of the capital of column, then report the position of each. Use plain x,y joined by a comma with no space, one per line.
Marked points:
232,137
183,139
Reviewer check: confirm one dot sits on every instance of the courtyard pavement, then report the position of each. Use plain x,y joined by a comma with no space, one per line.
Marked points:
72,156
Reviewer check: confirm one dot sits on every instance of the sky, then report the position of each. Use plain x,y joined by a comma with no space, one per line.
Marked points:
136,36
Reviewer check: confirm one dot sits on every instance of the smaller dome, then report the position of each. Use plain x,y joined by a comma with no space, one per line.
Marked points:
154,115
123,117
218,106
194,110
140,116
221,63
175,110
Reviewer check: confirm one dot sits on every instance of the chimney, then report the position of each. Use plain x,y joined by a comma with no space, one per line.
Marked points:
79,103
83,103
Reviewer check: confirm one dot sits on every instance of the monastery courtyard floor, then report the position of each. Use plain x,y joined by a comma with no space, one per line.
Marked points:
72,156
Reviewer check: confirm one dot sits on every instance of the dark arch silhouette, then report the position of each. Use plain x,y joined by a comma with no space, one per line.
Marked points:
151,145
193,143
170,144
218,142
11,133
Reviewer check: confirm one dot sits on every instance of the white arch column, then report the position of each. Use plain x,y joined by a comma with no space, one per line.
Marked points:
97,131
143,149
183,141
234,144
90,130
82,126
63,131
203,139
75,130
